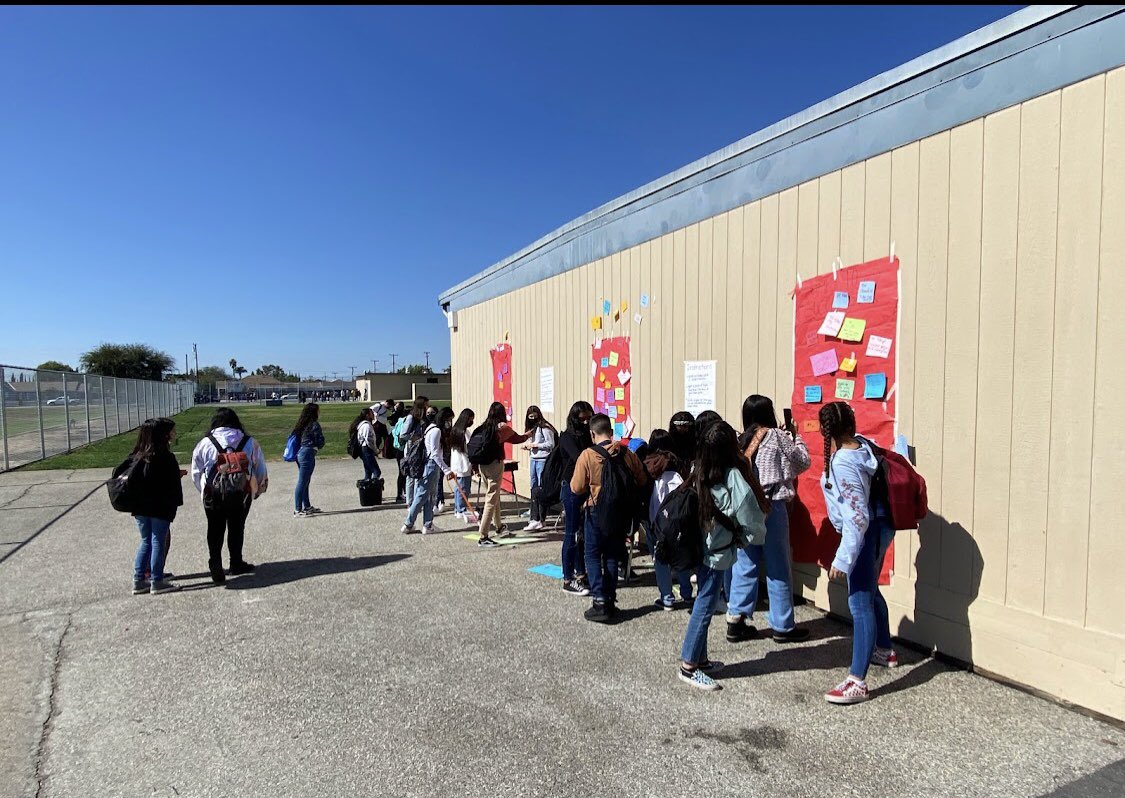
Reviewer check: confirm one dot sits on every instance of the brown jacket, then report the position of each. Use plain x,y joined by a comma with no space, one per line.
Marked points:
588,471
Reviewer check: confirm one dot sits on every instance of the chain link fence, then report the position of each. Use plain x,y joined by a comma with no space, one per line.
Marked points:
44,413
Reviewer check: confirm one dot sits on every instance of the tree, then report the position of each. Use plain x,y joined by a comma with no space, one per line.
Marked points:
129,361
237,369
211,374
415,368
54,365
276,373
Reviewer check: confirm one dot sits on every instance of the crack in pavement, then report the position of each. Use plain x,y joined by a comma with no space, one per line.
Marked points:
22,493
45,732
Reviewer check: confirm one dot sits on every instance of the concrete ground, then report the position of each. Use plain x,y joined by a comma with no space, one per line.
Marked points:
359,661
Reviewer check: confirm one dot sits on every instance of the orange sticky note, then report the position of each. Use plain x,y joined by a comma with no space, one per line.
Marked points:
620,411
601,377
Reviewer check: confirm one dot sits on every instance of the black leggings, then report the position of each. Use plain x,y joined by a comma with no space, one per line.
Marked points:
401,478
229,518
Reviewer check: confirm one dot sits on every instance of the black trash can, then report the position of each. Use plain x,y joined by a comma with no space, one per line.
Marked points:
370,492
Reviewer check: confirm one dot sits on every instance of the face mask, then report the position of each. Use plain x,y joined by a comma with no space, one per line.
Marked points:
533,418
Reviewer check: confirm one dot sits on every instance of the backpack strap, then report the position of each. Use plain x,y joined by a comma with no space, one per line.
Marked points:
242,443
219,448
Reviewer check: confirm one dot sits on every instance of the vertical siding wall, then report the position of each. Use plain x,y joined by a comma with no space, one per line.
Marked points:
1011,233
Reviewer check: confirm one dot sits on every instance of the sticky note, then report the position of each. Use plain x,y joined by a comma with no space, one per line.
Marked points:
810,425
644,300
852,329
600,394
840,299
613,359
845,389
866,293
621,410
605,362
501,385
832,322
824,363
504,368
499,376
597,342
596,322
619,430
624,376
874,385
878,347
611,412
593,368
847,364
606,307
601,377
637,318
812,394
619,394
624,307
629,425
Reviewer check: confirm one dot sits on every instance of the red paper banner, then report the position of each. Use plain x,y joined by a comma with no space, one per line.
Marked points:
502,393
612,372
812,535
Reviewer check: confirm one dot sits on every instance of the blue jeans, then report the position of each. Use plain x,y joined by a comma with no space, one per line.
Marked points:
743,596
870,623
664,581
306,462
538,512
425,491
153,548
370,464
572,564
709,582
603,554
466,484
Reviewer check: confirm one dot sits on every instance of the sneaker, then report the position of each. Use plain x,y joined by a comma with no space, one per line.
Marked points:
239,568
400,500
849,691
597,612
698,679
709,665
407,529
217,574
582,580
885,658
140,586
429,529
739,632
460,516
533,526
794,635
486,543
665,604
575,588
160,586
439,508
299,514
311,510
502,531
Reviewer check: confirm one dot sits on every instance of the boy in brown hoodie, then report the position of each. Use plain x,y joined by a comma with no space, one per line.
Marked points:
605,549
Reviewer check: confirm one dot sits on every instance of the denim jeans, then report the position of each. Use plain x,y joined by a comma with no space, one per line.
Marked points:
151,553
603,554
870,623
572,564
466,484
538,513
306,462
743,596
425,490
370,464
664,581
709,582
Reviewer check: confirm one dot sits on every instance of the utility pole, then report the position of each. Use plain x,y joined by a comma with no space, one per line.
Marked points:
393,356
187,373
195,349
427,354
374,366
353,372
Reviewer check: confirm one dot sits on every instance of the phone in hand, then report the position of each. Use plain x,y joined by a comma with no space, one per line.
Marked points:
788,413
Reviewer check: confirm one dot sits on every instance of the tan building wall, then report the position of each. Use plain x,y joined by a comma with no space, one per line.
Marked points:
1012,241
403,386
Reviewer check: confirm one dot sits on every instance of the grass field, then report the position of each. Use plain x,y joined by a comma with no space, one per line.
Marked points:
269,425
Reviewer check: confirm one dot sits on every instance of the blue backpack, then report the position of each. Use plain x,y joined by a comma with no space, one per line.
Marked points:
292,446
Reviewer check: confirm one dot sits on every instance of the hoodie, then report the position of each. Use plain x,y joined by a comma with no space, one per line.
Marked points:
204,456
849,501
736,500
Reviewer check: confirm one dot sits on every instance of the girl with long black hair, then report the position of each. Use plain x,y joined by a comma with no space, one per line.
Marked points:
574,440
159,494
499,432
311,436
459,461
544,437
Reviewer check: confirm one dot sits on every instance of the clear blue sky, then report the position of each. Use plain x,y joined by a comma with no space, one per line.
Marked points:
296,185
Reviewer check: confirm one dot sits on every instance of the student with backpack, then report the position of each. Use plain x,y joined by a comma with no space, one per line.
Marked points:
408,429
544,436
486,452
682,429
310,439
667,473
229,471
437,426
393,450
778,456
729,518
863,519
362,437
459,462
610,478
155,495
574,440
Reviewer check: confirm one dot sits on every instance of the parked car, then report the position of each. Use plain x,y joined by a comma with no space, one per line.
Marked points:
288,397
61,400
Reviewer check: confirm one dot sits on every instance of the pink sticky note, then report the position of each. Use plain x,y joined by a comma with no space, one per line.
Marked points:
824,363
601,394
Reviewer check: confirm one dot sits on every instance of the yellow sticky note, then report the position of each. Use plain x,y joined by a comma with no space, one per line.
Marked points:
624,307
847,364
619,394
613,358
621,411
852,329
596,322
601,377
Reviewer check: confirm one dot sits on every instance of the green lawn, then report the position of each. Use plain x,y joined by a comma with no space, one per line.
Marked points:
269,425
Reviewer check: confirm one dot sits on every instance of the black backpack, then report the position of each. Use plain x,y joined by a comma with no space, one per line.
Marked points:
550,481
618,499
414,459
678,539
484,445
353,446
124,484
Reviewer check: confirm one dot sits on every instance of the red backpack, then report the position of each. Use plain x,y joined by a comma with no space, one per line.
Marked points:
900,486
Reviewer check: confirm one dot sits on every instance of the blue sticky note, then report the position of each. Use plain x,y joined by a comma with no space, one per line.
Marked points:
549,569
606,307
812,394
866,293
874,385
612,412
840,299
644,300
605,362
619,430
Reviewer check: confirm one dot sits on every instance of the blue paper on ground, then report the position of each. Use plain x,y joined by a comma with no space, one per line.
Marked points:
550,569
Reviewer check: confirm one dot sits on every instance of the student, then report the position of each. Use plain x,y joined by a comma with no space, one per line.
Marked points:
459,461
159,494
226,518
682,428
573,441
311,438
497,429
363,427
731,518
411,424
778,457
544,436
668,473
605,548
865,533
395,453
437,425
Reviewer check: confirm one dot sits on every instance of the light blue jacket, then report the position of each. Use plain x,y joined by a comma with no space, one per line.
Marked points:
738,502
849,501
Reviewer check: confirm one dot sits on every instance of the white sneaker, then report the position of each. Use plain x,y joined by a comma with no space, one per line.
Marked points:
533,526
459,516
439,508
406,529
428,529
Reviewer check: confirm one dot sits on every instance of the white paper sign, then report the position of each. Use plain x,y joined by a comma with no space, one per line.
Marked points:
699,386
547,389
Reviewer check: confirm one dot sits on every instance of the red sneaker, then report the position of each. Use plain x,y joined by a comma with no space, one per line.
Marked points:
849,691
885,658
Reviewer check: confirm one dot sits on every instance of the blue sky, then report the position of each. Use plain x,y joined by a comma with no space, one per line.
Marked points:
296,185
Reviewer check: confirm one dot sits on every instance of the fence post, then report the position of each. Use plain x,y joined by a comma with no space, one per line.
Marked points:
86,401
39,414
3,417
66,409
105,420
116,405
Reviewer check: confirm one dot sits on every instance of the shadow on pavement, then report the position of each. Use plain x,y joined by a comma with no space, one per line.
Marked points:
1109,782
269,574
